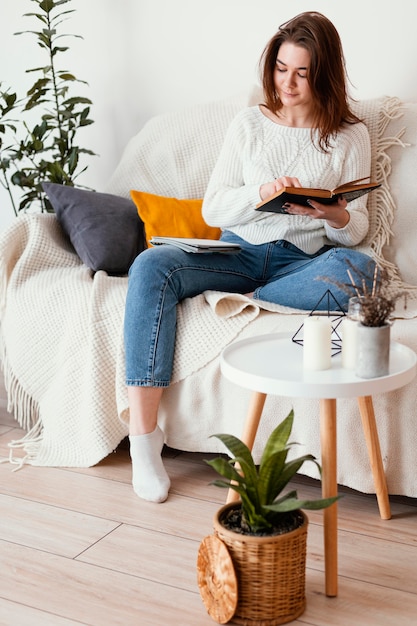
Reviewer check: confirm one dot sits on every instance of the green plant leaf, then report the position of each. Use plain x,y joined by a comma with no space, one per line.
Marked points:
237,448
255,521
45,69
47,5
66,76
57,49
270,476
40,84
243,457
222,483
72,101
278,439
37,99
274,474
288,472
292,504
225,469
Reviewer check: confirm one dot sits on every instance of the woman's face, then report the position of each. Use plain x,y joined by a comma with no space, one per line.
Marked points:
290,76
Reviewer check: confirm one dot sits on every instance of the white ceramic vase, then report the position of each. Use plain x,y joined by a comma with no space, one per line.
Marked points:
373,350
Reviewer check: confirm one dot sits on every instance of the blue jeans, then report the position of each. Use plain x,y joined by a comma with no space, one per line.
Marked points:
162,276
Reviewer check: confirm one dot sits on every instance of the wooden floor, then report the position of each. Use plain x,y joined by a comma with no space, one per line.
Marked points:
78,547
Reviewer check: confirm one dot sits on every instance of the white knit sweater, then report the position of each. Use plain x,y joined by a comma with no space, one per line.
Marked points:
257,150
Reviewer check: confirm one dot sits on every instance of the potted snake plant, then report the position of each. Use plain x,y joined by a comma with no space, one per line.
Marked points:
253,567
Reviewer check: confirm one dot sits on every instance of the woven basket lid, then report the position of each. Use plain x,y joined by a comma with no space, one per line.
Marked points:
217,579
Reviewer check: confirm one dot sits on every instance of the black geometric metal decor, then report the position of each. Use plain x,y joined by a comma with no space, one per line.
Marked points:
335,312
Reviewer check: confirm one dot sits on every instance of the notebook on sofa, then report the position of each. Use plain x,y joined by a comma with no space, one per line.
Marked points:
190,244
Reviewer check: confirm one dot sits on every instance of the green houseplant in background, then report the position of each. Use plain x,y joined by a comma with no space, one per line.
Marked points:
253,567
46,149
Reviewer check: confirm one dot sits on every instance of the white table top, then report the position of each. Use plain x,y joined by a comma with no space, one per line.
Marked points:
273,364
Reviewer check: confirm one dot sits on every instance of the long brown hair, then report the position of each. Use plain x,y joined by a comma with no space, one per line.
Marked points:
326,74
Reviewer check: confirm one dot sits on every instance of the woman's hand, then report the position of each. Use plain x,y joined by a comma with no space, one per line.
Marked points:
335,214
268,189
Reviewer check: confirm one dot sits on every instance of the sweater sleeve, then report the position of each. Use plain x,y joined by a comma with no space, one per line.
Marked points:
228,200
356,165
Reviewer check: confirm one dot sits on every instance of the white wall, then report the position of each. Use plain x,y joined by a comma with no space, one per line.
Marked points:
143,57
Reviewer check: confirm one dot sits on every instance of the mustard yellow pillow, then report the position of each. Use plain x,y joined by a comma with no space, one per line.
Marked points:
171,217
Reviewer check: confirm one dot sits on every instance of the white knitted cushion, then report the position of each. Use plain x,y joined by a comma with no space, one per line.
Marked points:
174,154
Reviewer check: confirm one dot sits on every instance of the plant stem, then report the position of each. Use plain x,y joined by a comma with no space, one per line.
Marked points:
5,183
58,114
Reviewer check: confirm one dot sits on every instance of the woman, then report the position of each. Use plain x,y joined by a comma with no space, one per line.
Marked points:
303,135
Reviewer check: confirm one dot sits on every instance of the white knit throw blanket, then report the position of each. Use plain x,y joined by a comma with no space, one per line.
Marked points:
73,320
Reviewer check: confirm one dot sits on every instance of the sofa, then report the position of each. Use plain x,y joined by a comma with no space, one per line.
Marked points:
64,281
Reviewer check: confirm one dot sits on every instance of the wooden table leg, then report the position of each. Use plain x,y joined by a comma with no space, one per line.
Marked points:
366,409
328,440
250,429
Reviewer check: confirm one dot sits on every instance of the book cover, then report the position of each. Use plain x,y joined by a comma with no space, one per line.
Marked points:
300,195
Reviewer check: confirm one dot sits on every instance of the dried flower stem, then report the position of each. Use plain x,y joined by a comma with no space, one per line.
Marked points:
377,299
374,283
353,283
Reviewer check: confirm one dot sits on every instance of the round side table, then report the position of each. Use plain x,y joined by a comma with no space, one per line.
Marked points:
273,364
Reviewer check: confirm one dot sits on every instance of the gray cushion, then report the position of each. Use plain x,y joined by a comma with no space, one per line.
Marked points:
105,230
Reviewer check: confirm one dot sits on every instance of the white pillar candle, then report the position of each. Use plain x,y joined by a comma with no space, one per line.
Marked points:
349,342
317,343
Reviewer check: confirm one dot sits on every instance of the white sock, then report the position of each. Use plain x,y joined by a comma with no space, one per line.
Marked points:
149,478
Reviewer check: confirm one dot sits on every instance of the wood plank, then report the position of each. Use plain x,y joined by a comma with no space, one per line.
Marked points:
96,596
90,495
358,604
6,418
9,433
189,477
368,559
50,528
109,500
4,430
22,615
156,556
51,583
358,513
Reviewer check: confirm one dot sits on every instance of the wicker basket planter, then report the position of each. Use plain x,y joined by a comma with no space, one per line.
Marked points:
269,573
252,569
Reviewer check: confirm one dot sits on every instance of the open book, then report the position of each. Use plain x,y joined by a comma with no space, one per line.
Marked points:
300,195
189,244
